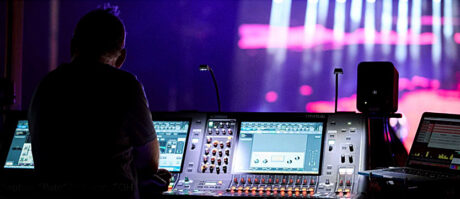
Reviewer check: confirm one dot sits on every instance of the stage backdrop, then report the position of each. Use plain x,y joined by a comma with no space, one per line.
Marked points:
271,56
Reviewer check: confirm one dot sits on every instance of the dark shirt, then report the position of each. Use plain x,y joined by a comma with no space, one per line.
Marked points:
85,119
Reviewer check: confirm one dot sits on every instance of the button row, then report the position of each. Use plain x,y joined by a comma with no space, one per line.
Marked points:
290,191
273,180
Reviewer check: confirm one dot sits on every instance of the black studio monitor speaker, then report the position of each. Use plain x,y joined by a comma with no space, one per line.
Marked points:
377,87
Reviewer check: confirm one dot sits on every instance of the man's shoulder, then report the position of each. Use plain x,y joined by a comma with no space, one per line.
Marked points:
92,68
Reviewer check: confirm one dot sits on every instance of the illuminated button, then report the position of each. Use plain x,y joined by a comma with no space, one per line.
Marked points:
341,183
220,153
305,181
240,188
214,151
304,189
227,152
226,160
346,190
268,189
242,181
348,183
221,145
291,181
233,188
284,181
256,180
208,140
215,143
339,190
297,181
229,144
263,180
219,161
249,180
282,189
261,189
277,180
213,159
235,180
206,151
254,189
230,132
270,181
246,188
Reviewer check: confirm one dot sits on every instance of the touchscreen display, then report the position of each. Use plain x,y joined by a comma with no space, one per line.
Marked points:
279,147
172,136
20,152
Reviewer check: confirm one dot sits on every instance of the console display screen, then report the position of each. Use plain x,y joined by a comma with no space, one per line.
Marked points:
279,147
172,136
20,152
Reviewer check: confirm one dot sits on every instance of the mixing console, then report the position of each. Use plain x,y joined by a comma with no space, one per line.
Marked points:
250,154
271,155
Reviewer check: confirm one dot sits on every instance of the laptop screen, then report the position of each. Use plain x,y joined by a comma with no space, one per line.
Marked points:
20,151
172,137
437,142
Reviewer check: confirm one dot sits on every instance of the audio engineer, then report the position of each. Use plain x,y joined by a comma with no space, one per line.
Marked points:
90,123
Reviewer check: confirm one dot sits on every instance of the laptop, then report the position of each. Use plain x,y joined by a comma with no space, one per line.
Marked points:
435,152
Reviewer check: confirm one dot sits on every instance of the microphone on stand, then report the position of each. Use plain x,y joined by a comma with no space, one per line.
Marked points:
205,67
337,71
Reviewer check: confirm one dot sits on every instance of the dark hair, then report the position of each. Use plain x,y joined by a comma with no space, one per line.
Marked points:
98,33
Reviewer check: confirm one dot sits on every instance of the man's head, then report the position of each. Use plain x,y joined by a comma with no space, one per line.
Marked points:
100,36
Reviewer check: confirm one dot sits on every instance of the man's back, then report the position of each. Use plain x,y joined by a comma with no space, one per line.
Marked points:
85,119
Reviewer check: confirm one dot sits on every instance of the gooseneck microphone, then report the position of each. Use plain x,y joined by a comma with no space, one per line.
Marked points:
205,67
337,71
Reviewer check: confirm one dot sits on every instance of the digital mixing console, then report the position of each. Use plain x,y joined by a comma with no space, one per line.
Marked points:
271,155
315,155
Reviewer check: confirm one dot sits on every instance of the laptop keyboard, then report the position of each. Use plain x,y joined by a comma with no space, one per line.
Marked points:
420,172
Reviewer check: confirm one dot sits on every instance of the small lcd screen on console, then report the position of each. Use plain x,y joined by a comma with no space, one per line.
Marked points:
172,136
20,152
279,147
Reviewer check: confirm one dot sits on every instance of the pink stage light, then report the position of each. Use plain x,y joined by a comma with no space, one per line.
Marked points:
457,38
256,36
305,90
271,96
